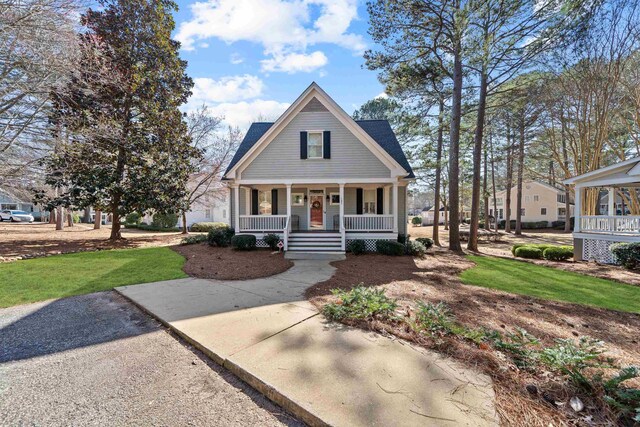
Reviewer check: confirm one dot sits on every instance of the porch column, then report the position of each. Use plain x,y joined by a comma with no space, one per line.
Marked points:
395,207
341,206
577,209
236,208
612,201
289,200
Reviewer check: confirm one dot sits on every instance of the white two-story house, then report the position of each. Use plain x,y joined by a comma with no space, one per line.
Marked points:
319,179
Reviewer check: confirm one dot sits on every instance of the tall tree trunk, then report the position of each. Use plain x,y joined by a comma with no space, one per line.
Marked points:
493,182
70,218
446,216
472,245
117,196
184,223
520,175
509,183
567,190
59,218
97,221
52,216
436,202
454,150
86,217
485,189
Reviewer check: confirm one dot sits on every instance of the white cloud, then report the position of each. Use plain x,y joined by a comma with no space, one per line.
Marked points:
226,89
236,58
283,27
242,114
294,62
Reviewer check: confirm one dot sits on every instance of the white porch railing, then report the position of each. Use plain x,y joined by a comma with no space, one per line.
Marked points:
610,224
263,222
368,222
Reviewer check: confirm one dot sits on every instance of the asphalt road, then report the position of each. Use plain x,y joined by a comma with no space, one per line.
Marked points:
98,360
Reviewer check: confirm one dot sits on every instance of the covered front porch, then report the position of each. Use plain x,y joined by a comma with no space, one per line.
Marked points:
607,210
369,210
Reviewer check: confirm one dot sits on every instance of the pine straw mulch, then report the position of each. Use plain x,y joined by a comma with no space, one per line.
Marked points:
522,397
209,262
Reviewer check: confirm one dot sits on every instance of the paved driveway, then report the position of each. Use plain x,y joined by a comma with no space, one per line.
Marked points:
98,360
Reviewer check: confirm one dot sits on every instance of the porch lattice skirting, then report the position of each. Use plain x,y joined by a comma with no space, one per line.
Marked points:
598,250
369,244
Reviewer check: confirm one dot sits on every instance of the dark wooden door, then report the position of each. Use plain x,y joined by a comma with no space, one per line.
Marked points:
317,216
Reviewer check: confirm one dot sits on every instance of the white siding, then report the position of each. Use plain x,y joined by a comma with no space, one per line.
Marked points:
350,158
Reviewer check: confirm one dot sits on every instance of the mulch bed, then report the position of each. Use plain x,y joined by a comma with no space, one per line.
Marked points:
435,279
209,262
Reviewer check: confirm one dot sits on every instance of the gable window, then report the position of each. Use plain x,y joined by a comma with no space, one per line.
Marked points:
297,199
314,145
369,202
543,211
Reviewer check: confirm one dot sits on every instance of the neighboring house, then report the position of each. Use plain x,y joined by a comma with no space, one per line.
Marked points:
18,200
620,206
319,179
540,202
594,234
428,214
209,208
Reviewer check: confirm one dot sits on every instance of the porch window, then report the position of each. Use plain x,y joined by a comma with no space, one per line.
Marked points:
264,202
297,199
335,199
314,145
369,202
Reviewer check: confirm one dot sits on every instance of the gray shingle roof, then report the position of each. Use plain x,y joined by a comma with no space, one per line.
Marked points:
379,130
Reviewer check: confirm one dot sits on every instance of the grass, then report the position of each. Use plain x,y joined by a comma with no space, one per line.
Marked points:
549,283
82,273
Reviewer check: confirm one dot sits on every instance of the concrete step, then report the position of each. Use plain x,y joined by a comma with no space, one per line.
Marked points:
330,256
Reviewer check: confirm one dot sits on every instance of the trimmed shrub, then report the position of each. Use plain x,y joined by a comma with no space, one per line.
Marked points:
272,240
403,238
151,227
357,247
415,248
516,246
558,253
416,220
388,247
207,226
243,242
161,220
134,218
528,252
627,254
220,236
426,241
192,240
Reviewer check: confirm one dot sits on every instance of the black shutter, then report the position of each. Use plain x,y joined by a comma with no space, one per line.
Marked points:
326,138
303,145
380,201
274,201
254,202
359,197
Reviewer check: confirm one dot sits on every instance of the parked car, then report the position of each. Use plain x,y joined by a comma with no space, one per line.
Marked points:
15,216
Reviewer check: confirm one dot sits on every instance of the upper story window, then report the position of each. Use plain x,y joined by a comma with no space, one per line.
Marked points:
561,198
499,201
536,198
314,145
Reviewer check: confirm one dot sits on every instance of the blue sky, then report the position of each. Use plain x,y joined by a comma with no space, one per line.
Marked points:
252,58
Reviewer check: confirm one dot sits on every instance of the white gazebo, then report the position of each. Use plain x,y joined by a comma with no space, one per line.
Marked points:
594,234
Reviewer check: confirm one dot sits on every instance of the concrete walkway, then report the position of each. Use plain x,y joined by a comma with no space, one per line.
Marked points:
265,332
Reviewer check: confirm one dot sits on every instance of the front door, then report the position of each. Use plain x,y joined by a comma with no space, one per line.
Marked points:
316,214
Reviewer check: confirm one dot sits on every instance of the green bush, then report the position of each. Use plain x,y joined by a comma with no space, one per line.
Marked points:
76,218
528,252
389,247
243,242
416,220
360,303
437,319
134,218
272,240
167,220
207,226
558,253
627,254
426,241
403,238
415,248
516,246
220,236
151,227
192,240
541,246
357,247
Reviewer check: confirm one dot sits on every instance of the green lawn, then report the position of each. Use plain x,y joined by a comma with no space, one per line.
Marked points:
74,274
549,283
